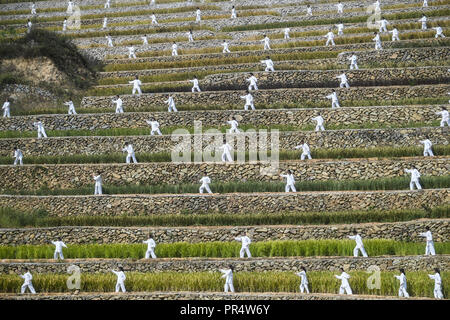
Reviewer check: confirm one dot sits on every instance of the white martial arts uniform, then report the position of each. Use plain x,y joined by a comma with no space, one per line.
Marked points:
319,124
394,34
439,32
174,49
445,117
303,282
110,43
171,104
120,280
345,286
415,175
6,109
305,151
377,6
340,8
234,126
402,289
58,249
427,148
136,86
27,283
340,28
105,22
228,275
130,153
154,21
226,154
233,13
107,4
131,53
225,47
69,7
429,249
353,62
269,65
248,101
29,25
40,129
334,100
18,157
144,41
195,85
425,3
330,38
205,184
344,81
309,11
71,107
198,15
290,182
98,185
244,248
286,33
118,103
437,285
383,25
33,8
377,40
155,127
359,246
423,20
266,41
190,38
252,84
64,25
151,245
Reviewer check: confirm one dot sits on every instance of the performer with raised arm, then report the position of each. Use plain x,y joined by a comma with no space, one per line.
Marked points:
58,249
128,148
228,275
429,248
151,245
304,280
120,284
345,285
290,181
205,181
245,246
402,289
359,245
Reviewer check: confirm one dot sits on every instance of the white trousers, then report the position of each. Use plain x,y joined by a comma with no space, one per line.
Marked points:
41,133
120,285
107,6
429,249
18,160
138,89
72,110
415,182
226,156
228,285
131,156
133,55
424,25
302,157
345,289
382,29
172,108
56,253
378,46
340,33
354,66
439,35
304,287
438,292
344,84
226,50
119,110
335,104
98,189
443,122
251,106
6,113
330,40
266,46
320,127
286,36
24,288
428,152
203,187
356,249
269,69
152,132
395,38
254,86
233,130
290,186
243,251
402,292
196,88
174,52
149,253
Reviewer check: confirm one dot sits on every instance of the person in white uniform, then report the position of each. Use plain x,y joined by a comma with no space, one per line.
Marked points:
6,109
33,8
105,23
415,175
304,280
109,39
144,40
198,15
228,275
429,248
119,103
18,156
340,8
445,119
195,84
233,13
128,148
305,150
425,4
344,81
340,27
234,126
171,103
394,34
290,181
40,129
286,33
269,64
319,123
205,181
377,6
225,47
71,106
437,284
439,32
359,245
377,40
330,38
427,151
64,28
131,53
27,282
107,4
248,101
383,25
136,86
402,289
423,20
245,240
70,7
154,127
345,285
190,36
253,82
174,49
151,245
58,249
98,183
266,41
226,152
308,10
353,62
120,284
154,21
334,99
29,26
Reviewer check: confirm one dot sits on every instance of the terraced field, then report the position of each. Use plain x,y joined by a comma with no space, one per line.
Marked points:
355,181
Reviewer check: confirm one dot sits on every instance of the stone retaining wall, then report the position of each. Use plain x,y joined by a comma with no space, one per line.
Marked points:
32,177
350,138
398,231
263,117
116,205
